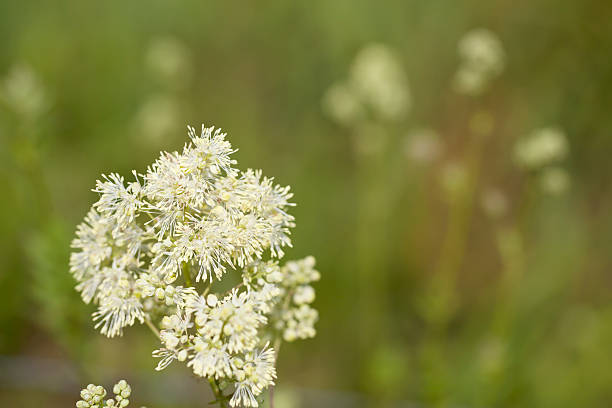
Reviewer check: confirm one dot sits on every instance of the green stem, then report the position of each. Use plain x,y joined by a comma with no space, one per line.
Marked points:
219,397
277,344
186,274
444,283
152,327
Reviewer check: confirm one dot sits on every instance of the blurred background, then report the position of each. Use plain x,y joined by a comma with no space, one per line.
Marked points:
450,161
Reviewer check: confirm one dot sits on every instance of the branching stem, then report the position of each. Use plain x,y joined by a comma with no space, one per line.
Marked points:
151,326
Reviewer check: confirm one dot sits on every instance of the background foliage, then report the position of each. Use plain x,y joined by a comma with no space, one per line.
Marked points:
424,301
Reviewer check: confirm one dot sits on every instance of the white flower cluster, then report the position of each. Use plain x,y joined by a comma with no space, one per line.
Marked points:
93,396
23,91
482,59
541,148
377,82
193,216
223,337
169,60
297,318
423,145
542,151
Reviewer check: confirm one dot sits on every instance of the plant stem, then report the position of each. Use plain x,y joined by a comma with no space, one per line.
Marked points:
446,273
186,274
277,344
219,397
152,327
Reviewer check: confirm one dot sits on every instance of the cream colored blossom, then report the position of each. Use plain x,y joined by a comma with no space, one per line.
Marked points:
23,91
494,203
93,396
423,146
169,59
379,78
555,180
540,148
482,59
151,248
377,86
342,104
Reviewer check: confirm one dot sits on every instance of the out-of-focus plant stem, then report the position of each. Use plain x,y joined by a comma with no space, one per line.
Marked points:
442,294
510,241
381,181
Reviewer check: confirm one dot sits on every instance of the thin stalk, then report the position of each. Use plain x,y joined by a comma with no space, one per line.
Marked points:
445,277
219,397
277,344
186,274
152,327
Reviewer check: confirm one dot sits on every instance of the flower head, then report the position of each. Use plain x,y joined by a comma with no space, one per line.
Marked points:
93,396
482,59
153,249
540,148
191,209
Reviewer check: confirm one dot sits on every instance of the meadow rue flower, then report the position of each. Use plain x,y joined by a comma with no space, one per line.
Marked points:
540,148
23,91
93,396
423,146
482,47
296,318
152,248
256,372
377,75
554,180
168,58
494,203
482,59
376,86
222,338
342,104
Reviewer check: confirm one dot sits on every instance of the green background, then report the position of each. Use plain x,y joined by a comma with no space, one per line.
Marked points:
418,305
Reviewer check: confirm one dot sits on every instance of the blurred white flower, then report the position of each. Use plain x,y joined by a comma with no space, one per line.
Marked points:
23,92
483,48
494,203
342,104
554,180
469,81
482,59
378,77
158,118
423,146
296,319
168,58
377,84
303,294
540,148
